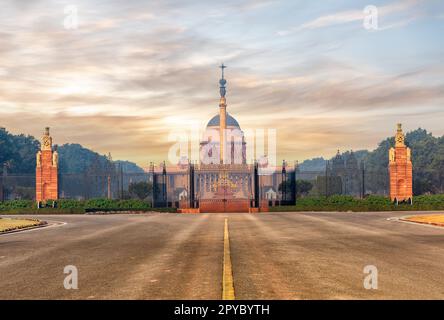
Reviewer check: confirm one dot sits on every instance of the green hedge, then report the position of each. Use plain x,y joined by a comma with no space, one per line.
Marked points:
42,211
17,204
332,203
105,204
79,206
371,203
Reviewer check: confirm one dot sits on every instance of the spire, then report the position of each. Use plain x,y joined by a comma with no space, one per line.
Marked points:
399,137
46,143
222,82
222,115
222,66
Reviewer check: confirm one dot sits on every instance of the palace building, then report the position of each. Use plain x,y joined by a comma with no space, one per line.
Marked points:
222,181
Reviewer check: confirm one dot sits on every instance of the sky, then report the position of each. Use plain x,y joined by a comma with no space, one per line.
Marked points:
131,72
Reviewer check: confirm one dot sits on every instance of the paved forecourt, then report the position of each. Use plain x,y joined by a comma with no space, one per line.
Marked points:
269,256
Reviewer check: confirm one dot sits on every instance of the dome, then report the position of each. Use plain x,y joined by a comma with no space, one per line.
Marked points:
231,122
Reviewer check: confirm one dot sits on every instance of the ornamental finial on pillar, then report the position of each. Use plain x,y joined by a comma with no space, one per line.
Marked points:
222,82
399,137
46,143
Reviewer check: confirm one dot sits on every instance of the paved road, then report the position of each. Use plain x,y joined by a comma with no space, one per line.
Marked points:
274,256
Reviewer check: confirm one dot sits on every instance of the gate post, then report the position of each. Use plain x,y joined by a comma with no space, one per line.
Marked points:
191,184
256,185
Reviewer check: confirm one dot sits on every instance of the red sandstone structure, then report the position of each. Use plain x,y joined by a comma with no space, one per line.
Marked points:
46,170
400,168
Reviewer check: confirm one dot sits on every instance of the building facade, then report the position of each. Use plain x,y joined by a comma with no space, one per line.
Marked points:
222,181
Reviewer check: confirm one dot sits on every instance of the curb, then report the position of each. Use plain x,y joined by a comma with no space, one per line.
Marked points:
40,225
422,222
426,224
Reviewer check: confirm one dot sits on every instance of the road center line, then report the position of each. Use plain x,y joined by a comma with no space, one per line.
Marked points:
227,277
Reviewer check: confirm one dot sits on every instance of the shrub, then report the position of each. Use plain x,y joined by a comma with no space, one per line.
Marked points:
17,204
76,206
370,203
105,204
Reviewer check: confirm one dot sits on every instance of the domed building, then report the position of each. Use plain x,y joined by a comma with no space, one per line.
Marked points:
223,127
222,181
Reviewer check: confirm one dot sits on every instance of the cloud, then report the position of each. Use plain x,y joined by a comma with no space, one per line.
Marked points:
121,135
134,71
348,16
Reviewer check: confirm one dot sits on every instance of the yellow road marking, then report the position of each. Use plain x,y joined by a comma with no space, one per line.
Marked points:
227,277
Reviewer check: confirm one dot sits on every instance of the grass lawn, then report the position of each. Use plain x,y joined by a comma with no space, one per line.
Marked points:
7,224
435,219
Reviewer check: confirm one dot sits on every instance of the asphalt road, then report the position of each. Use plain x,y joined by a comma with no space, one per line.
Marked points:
273,255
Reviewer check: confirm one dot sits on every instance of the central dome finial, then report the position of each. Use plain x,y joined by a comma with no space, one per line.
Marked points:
222,82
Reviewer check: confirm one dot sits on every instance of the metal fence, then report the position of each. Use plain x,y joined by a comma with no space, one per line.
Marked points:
172,186
358,184
73,186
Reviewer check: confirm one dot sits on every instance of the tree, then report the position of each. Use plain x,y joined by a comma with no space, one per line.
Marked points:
303,187
141,189
18,152
329,185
